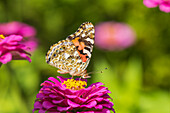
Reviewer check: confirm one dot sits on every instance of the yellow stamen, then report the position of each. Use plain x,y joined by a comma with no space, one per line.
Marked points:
75,84
2,36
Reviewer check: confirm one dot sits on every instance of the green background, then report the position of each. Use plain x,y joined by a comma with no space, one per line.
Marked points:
138,77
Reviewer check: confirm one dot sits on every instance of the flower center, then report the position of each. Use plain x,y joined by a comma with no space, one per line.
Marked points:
2,36
75,84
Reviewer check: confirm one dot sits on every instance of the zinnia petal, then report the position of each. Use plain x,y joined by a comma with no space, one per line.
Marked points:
150,3
165,7
6,58
47,105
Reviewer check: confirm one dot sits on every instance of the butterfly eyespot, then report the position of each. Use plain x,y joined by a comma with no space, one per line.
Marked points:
61,49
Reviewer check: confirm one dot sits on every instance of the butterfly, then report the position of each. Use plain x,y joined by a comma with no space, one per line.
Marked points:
73,54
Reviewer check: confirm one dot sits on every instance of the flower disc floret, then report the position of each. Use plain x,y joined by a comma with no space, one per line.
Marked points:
2,37
75,84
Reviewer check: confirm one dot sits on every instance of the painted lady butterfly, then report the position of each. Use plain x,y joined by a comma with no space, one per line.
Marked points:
73,54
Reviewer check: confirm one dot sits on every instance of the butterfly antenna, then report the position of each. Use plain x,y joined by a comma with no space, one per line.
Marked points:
98,71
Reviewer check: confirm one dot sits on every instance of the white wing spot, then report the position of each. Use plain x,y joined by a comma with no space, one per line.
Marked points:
88,53
88,26
66,55
83,35
90,40
92,30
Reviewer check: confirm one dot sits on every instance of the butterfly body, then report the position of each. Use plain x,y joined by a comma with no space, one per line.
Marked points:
73,54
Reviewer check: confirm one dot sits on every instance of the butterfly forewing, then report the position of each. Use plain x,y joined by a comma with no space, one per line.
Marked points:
83,39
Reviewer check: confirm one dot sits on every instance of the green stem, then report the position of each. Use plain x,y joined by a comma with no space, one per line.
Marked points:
0,64
16,90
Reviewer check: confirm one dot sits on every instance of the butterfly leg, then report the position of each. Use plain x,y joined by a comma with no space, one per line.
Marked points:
79,78
72,77
86,76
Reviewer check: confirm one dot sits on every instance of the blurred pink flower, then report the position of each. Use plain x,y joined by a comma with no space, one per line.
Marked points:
164,5
18,28
113,36
10,48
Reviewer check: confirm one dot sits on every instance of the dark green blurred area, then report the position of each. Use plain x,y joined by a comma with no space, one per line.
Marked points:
138,77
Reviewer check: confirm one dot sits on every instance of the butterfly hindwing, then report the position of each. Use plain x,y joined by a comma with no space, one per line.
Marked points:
73,54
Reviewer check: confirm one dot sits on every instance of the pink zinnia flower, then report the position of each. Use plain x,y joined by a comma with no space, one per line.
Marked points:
18,28
71,96
164,5
113,36
10,48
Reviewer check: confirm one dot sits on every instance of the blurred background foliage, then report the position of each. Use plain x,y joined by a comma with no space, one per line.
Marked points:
138,77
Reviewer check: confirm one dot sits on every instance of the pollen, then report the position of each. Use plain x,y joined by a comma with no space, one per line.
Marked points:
75,84
2,36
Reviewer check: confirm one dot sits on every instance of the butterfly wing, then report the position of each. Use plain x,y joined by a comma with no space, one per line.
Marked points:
73,54
83,39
